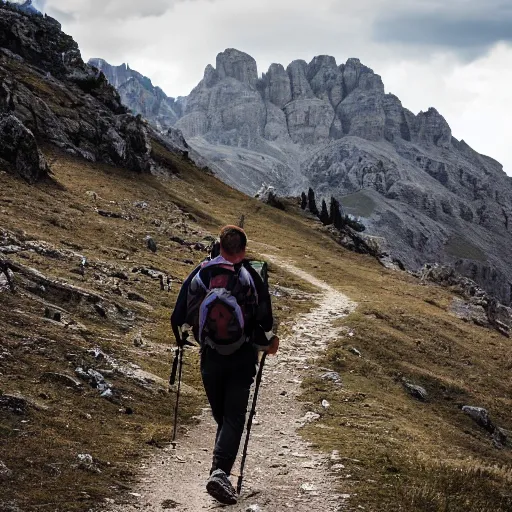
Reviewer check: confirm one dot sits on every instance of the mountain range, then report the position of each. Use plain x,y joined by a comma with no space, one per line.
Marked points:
423,195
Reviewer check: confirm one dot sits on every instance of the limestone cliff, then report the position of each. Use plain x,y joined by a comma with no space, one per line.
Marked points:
425,195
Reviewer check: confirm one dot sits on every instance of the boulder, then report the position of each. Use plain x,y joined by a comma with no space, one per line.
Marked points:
15,404
416,391
480,416
18,147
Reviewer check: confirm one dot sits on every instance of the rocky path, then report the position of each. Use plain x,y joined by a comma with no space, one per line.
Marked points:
282,472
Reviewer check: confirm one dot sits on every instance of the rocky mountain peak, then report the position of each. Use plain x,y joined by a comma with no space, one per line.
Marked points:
239,65
48,93
39,40
301,89
426,196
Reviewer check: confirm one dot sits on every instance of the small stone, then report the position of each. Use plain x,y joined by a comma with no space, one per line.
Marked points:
253,508
85,458
325,404
332,376
151,244
308,488
335,455
354,350
310,417
5,472
416,391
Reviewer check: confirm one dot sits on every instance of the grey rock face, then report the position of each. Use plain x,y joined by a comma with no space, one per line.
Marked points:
55,96
423,195
19,149
277,86
238,65
140,96
300,86
480,307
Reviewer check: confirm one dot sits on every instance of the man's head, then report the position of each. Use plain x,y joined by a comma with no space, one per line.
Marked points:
233,242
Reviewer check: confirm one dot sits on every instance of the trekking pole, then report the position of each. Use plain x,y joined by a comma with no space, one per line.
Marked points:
249,423
177,367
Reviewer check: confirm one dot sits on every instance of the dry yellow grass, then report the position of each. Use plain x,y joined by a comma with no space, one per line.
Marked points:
410,455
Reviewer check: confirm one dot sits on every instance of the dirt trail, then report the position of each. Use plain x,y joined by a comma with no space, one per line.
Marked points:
282,472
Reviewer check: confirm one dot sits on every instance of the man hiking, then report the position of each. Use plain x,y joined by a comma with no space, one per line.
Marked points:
228,307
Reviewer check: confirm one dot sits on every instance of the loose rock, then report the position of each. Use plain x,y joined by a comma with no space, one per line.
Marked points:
5,472
61,378
480,416
332,376
16,404
416,391
18,147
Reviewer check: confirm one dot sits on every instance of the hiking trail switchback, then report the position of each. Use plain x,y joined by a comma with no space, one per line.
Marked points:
282,472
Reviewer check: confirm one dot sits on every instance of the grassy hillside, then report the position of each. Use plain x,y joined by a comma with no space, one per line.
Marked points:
401,454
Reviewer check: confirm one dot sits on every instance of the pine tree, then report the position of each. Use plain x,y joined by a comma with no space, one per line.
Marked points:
324,214
312,202
303,201
336,217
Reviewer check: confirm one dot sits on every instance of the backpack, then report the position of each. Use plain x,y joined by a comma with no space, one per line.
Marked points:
220,310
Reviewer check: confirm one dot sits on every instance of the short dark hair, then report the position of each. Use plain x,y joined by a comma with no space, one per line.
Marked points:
233,240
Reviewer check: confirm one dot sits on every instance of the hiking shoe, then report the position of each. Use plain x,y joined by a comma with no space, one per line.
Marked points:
220,488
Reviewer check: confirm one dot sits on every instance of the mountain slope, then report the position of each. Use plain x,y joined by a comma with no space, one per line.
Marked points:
427,196
52,93
85,338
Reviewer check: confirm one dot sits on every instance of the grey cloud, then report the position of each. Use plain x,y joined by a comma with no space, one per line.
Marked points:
465,27
62,16
113,9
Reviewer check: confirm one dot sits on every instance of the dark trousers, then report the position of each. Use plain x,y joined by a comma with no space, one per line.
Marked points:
227,381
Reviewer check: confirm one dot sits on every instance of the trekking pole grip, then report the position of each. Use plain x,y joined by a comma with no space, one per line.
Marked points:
174,371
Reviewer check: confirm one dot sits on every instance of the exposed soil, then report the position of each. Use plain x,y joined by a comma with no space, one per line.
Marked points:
282,471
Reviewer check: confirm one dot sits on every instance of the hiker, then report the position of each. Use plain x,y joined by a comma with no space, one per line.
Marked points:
228,307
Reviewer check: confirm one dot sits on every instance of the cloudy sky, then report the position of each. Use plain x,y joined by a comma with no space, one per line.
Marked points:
454,55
